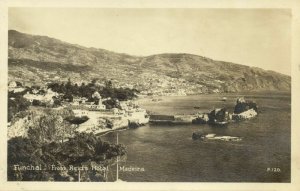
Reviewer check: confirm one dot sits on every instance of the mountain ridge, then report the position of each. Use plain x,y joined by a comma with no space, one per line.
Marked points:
200,74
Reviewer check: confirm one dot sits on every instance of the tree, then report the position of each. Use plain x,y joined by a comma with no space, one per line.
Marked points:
75,90
94,81
19,84
82,149
54,87
36,102
16,105
108,84
68,87
56,102
23,152
111,103
68,97
50,127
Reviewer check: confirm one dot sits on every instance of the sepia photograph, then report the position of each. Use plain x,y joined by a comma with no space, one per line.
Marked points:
169,95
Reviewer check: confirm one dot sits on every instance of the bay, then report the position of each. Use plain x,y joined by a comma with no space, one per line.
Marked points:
167,153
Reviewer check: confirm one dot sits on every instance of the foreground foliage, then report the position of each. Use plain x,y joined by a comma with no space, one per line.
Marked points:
81,150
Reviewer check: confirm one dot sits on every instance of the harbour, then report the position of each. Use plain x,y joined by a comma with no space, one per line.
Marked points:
182,159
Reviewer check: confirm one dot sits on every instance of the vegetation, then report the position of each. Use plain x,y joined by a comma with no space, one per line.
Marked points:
16,105
77,120
81,150
50,128
87,90
51,140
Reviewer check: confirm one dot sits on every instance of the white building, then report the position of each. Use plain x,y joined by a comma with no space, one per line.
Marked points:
32,97
80,113
95,107
48,97
79,100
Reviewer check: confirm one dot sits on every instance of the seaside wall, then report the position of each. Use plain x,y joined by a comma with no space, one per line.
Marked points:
172,118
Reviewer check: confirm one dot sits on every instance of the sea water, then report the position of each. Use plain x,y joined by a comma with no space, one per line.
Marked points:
167,153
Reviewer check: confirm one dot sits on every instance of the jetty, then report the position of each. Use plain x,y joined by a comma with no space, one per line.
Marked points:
172,119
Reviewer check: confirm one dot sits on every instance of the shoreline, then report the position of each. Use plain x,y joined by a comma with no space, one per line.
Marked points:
111,130
246,93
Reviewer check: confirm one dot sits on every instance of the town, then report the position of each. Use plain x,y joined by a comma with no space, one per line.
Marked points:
148,83
87,110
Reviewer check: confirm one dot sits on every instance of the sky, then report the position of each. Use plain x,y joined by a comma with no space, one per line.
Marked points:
254,37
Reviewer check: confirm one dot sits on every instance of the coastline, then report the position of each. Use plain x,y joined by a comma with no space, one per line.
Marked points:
203,102
111,130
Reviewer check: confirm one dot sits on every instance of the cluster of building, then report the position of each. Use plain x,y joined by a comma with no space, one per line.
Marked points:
47,96
154,84
99,118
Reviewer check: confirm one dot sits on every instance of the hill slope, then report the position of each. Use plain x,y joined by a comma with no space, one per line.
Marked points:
38,59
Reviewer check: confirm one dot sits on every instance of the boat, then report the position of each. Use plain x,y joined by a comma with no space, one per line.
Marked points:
224,99
227,138
220,123
211,136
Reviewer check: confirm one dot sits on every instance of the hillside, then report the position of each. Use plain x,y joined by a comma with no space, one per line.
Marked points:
38,59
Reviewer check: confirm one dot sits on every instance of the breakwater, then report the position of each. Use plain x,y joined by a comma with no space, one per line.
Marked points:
172,119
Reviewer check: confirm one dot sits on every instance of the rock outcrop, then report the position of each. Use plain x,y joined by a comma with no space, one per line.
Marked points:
219,116
201,119
242,105
244,110
244,115
197,135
